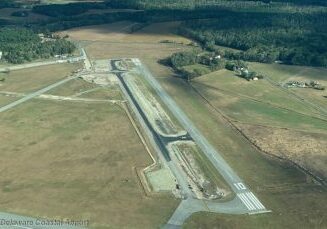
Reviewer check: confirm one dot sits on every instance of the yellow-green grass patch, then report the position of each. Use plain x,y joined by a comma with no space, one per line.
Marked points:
76,165
227,83
4,100
73,87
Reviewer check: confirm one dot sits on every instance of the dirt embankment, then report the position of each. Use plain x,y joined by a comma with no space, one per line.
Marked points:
308,150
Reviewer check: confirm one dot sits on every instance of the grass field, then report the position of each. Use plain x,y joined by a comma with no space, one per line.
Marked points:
5,100
76,165
112,93
295,200
227,83
271,117
279,186
73,87
83,89
32,79
284,73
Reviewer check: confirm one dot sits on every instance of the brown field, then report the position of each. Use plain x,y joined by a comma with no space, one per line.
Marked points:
74,166
120,32
115,41
32,79
106,32
304,148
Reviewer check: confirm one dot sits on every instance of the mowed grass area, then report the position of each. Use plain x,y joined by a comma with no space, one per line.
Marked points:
4,100
285,190
270,116
284,73
258,102
32,79
76,165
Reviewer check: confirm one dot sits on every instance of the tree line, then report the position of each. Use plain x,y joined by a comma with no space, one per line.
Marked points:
298,39
20,45
196,4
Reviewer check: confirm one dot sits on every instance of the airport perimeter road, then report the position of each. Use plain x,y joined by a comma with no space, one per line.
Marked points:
34,94
30,65
248,199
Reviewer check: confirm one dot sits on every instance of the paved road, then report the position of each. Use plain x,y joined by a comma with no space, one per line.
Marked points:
154,138
30,65
244,201
34,94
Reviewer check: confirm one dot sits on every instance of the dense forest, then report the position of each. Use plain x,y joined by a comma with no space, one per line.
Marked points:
298,39
292,31
19,45
193,4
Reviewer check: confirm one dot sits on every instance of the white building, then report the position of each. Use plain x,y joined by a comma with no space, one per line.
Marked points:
0,55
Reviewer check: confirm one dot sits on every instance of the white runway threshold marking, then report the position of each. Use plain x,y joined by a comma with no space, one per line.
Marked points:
250,201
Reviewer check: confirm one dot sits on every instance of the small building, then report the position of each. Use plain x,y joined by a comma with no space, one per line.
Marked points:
0,55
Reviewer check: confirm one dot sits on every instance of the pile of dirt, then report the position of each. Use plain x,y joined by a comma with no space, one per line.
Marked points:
308,150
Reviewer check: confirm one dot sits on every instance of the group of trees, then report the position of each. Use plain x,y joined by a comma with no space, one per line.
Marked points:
291,38
210,60
19,45
252,28
202,63
196,4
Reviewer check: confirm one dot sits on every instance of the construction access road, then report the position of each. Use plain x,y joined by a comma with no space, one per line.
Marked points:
245,202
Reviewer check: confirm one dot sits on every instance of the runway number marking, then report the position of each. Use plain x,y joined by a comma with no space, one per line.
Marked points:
240,186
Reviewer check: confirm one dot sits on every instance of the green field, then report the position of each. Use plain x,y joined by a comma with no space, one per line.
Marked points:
197,68
295,199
